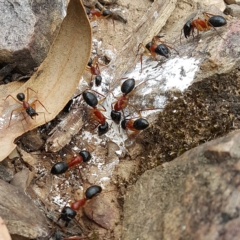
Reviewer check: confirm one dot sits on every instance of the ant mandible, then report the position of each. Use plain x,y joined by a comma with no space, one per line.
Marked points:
28,107
62,167
134,125
153,49
203,25
92,101
69,213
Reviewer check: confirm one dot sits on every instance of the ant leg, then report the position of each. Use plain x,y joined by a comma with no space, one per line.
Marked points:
28,93
33,103
216,31
13,99
17,109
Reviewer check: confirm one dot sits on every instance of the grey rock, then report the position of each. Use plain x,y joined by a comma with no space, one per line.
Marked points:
196,196
6,174
27,31
20,214
233,10
233,2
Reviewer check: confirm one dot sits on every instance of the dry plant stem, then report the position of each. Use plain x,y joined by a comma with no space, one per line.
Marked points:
63,132
149,25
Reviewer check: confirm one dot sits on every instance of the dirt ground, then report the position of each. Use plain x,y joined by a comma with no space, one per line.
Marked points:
101,218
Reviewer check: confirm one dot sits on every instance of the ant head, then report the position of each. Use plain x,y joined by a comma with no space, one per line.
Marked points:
123,124
21,96
85,155
162,50
90,62
102,129
93,191
148,45
116,116
90,99
67,215
31,112
140,124
128,86
98,80
187,28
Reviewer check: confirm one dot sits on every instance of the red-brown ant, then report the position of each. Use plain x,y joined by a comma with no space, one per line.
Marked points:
122,101
103,14
92,101
28,107
89,194
203,24
69,213
93,68
153,49
127,87
62,167
135,125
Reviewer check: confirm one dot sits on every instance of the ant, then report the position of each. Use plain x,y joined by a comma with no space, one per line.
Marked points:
62,167
92,101
103,14
96,14
93,67
153,49
28,107
135,125
203,25
69,213
126,88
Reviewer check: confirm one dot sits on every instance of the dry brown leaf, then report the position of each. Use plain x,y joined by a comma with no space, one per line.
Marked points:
4,234
55,80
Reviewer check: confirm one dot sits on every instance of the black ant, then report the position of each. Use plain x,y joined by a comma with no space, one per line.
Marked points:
153,49
62,167
92,101
134,125
28,107
69,213
203,24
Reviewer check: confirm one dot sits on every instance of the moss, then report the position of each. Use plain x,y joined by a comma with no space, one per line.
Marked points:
205,111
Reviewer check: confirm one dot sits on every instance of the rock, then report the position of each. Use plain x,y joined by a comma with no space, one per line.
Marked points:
20,214
196,196
28,30
220,4
233,2
102,211
22,179
89,3
233,10
32,140
6,174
